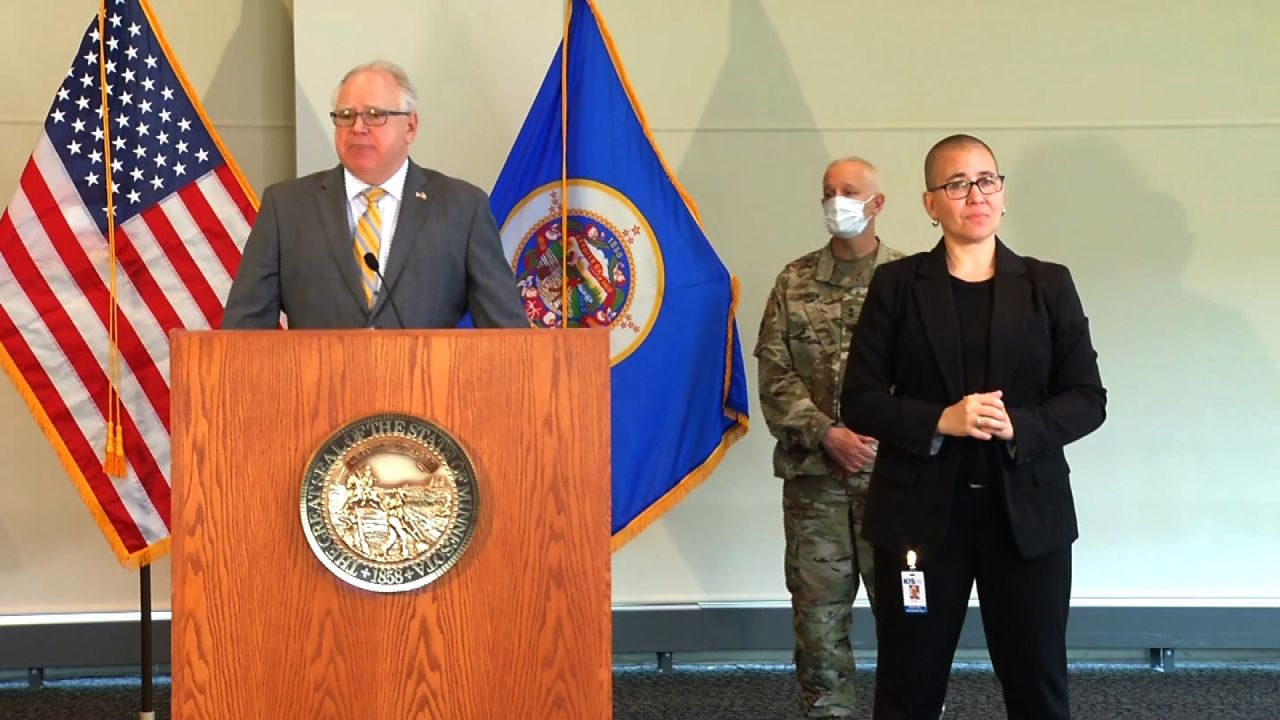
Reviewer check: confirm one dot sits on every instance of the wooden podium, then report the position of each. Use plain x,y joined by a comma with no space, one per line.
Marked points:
519,628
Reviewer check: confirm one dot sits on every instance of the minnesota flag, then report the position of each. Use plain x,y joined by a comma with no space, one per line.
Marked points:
600,234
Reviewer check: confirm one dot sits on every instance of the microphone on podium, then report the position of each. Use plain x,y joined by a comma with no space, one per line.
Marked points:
371,262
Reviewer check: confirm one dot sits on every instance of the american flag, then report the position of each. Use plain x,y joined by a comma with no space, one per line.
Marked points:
182,213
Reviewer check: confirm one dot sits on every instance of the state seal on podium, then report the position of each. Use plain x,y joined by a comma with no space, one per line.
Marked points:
389,502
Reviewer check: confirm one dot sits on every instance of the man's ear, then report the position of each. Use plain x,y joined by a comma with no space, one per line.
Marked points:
413,126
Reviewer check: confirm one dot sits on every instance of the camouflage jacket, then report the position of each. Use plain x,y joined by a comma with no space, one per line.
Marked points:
802,348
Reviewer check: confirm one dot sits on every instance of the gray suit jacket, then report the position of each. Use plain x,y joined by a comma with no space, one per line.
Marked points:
446,258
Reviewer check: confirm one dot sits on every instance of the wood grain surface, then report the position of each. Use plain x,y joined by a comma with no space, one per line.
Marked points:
519,628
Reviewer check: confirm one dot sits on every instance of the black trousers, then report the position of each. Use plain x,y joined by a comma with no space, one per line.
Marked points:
1024,607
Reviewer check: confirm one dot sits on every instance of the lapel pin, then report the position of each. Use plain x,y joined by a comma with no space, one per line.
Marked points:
421,195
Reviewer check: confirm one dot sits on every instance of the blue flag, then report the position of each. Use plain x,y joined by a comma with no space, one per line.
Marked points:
627,252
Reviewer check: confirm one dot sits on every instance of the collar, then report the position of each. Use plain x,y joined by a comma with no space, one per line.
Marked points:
394,186
827,260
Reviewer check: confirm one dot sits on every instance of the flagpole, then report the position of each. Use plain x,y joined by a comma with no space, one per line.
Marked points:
147,711
564,168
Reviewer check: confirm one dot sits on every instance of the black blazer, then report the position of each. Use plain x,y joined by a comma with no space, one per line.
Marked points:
905,368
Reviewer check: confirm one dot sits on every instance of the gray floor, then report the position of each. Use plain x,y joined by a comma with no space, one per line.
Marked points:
1099,691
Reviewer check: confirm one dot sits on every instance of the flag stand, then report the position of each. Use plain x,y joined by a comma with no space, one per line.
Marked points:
147,711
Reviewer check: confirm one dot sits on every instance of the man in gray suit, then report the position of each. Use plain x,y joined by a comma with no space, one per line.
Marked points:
315,238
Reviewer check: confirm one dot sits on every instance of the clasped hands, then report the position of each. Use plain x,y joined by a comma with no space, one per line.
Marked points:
980,415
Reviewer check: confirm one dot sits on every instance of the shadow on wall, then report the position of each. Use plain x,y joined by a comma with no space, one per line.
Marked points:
9,561
1191,436
467,124
759,193
253,92
312,132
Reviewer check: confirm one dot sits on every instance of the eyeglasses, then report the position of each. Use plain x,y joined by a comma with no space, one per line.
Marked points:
959,189
373,117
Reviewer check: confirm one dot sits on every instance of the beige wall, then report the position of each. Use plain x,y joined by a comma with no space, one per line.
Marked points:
1141,142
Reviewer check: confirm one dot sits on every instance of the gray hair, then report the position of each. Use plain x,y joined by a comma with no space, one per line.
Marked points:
408,95
852,159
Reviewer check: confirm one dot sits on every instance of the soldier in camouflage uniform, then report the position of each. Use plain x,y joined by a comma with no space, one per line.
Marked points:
802,347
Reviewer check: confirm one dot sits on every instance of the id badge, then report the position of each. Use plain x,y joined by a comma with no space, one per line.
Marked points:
914,599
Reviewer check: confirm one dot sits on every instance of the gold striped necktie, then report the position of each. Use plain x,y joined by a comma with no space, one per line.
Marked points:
369,240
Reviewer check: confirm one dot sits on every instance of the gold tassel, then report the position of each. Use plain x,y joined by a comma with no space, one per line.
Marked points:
114,464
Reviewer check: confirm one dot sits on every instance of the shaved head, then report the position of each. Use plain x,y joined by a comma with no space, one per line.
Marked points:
945,144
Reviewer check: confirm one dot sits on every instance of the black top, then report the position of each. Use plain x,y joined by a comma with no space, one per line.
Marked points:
973,301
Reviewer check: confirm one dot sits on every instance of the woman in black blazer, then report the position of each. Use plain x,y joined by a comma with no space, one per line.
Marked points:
973,367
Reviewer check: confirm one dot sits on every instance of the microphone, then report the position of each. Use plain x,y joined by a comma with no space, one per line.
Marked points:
371,262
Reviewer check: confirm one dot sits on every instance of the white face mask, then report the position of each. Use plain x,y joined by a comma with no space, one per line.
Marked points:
845,216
